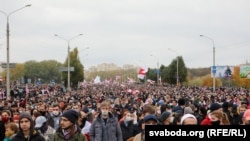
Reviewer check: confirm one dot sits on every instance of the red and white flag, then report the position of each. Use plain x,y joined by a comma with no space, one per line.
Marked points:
142,73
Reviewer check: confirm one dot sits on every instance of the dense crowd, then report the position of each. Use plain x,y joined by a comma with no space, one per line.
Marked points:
115,112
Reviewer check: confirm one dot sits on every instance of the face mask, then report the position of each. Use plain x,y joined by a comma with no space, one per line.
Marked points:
5,119
105,112
158,111
217,122
56,113
127,119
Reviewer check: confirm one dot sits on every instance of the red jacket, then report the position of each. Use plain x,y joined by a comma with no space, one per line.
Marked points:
206,121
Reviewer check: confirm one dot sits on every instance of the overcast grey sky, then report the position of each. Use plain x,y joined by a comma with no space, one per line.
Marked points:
128,31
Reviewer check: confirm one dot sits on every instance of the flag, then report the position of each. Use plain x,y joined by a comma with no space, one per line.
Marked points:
160,80
142,73
27,89
97,80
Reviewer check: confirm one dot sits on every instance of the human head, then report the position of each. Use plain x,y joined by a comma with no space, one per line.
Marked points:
26,122
150,120
40,121
215,106
246,117
6,116
166,118
10,129
188,119
218,118
105,107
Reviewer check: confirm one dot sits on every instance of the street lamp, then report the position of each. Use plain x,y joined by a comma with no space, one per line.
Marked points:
68,41
8,47
177,66
158,69
213,68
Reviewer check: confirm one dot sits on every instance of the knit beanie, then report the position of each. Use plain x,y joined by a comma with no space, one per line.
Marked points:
165,115
215,106
71,115
29,117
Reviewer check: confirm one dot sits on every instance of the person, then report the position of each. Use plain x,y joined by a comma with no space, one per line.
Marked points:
54,117
69,129
166,118
188,119
246,117
84,124
219,118
27,132
213,107
128,126
10,131
150,119
105,127
43,128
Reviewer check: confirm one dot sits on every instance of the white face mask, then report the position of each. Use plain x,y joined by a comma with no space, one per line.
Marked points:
55,113
105,112
171,119
128,119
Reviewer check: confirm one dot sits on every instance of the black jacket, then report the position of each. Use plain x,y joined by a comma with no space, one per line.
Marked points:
35,136
129,131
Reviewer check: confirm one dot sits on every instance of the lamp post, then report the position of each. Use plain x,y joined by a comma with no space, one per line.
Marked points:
213,68
68,42
8,47
177,66
158,69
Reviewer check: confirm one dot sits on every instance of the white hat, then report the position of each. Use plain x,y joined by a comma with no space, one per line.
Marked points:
184,117
40,121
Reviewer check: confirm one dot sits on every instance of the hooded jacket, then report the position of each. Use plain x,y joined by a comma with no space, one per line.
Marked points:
34,134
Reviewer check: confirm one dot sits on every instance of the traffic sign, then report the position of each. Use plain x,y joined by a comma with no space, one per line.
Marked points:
11,65
66,69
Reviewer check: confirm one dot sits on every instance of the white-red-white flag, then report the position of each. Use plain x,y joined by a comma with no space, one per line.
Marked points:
142,72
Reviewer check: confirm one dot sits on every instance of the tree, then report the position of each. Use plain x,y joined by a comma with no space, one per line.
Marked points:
46,70
77,75
171,76
15,73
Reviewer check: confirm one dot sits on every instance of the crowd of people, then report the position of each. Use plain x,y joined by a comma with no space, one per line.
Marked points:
115,112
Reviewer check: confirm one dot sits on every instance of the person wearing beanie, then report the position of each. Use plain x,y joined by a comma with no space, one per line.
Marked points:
166,118
213,107
27,132
69,129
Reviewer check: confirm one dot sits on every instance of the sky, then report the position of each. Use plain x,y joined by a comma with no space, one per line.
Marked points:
136,32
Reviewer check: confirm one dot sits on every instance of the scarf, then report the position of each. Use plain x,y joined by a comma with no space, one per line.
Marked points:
67,135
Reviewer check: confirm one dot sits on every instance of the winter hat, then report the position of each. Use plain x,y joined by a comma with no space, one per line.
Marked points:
29,117
165,115
181,102
71,115
188,110
187,116
215,106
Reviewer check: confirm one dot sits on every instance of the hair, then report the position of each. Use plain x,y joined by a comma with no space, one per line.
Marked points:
105,103
221,115
147,108
12,126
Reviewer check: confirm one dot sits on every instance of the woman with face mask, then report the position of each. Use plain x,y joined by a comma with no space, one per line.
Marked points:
128,126
219,118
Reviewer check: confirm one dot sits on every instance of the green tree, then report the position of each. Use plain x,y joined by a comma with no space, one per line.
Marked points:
77,75
45,70
171,71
